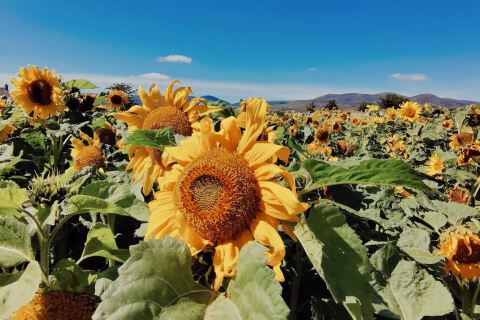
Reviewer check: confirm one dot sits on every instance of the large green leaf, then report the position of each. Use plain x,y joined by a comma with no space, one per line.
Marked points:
412,293
253,293
19,291
109,197
416,243
15,244
158,139
370,172
455,212
79,84
339,257
101,243
12,200
156,277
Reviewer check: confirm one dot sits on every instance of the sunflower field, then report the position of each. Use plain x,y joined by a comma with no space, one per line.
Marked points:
180,208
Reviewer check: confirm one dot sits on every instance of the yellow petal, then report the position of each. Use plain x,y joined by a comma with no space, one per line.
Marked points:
255,121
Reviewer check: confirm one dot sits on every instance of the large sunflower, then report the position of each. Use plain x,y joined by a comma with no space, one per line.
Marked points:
434,165
410,111
223,192
89,155
174,110
461,248
38,92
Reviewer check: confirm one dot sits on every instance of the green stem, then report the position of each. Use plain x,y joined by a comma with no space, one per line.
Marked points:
111,224
296,283
474,300
45,260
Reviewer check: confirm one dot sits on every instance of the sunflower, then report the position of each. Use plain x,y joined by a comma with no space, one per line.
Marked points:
461,248
409,111
223,192
473,117
470,154
434,165
38,92
459,195
447,123
116,99
322,134
459,140
58,305
372,108
89,155
106,134
6,130
390,114
336,127
173,110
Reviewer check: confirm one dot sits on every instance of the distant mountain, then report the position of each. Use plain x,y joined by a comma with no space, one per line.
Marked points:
352,100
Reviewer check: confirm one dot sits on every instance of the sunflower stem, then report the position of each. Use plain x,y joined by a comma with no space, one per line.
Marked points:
296,283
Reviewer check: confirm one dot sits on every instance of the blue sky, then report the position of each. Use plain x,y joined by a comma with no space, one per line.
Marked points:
274,49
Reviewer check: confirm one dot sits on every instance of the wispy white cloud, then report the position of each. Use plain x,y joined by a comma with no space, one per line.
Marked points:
312,69
409,76
155,76
175,58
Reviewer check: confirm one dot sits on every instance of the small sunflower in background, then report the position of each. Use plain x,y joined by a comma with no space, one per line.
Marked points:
89,155
434,165
117,99
6,130
38,92
322,134
460,139
223,191
106,134
390,114
469,154
173,110
410,111
461,247
372,108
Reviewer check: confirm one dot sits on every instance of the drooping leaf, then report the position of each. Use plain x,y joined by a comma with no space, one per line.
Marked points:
79,84
156,277
68,276
416,243
455,212
412,293
20,290
339,257
12,200
253,293
101,243
158,139
15,243
369,172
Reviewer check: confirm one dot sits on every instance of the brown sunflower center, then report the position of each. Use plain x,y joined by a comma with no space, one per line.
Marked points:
107,136
116,99
90,156
218,195
40,92
464,255
164,117
58,305
321,134
410,112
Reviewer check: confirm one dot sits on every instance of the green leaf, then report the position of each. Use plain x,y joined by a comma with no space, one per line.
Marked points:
158,139
15,244
101,243
7,159
12,200
416,243
68,276
391,172
109,197
79,84
19,291
253,293
455,212
412,293
156,276
339,257
323,309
